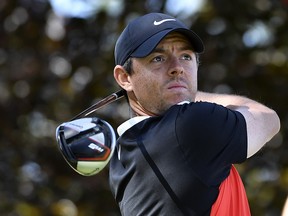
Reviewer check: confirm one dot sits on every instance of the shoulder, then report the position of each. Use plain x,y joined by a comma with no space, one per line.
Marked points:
212,127
208,117
206,112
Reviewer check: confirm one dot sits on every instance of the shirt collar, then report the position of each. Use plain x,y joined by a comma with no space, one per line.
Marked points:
131,122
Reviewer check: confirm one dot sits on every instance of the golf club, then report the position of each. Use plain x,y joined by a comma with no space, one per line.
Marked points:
105,101
87,143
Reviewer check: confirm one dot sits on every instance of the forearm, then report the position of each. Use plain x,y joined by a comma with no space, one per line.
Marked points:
234,102
223,99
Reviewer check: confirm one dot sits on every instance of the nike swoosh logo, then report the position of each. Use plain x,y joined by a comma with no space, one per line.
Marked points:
162,21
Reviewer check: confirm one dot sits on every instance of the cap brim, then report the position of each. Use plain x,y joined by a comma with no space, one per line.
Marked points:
150,44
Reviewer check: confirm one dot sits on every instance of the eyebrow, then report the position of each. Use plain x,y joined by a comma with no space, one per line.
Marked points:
182,48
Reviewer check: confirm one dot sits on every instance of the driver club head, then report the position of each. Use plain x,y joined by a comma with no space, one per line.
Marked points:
87,144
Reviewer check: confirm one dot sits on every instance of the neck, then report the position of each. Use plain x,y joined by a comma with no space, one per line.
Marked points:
138,110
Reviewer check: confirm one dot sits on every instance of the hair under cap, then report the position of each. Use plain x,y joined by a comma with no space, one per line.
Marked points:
142,35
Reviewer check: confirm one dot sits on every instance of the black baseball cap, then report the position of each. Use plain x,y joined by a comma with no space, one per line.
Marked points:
142,35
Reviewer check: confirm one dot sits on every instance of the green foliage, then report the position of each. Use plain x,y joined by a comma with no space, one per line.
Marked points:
53,67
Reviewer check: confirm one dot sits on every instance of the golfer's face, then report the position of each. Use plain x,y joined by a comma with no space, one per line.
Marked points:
167,76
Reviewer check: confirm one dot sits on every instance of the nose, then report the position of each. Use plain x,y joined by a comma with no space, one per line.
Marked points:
176,67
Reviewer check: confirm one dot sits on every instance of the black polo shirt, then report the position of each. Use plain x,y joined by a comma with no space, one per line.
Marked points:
192,145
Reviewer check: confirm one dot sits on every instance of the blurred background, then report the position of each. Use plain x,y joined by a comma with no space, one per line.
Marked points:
56,59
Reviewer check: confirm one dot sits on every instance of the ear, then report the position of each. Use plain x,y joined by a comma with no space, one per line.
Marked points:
122,78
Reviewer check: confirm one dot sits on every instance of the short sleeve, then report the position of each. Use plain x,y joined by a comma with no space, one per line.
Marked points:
211,136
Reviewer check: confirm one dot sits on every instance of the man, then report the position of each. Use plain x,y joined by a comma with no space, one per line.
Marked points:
175,155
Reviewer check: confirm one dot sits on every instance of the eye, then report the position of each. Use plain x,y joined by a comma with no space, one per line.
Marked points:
186,57
158,59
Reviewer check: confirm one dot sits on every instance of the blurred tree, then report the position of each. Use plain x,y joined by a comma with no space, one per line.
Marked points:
53,64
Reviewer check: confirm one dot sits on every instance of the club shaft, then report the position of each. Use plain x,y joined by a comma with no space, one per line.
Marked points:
105,101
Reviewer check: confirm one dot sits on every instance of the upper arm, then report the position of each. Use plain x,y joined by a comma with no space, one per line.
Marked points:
212,138
262,124
212,132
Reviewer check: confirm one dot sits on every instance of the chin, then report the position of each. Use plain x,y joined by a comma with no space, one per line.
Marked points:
181,99
175,102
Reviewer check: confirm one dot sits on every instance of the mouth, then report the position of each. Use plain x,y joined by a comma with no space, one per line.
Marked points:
177,86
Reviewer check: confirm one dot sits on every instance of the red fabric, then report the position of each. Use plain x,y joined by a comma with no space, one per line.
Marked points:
232,199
